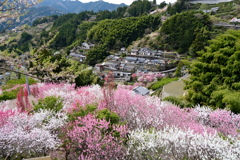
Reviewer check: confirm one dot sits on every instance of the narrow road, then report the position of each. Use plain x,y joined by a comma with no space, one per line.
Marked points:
227,25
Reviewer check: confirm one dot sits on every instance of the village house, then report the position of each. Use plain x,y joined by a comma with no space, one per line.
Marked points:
141,69
129,67
134,52
118,74
121,66
157,62
122,76
144,51
132,60
158,54
124,67
87,46
123,50
214,9
141,90
235,20
79,57
98,68
114,58
111,65
141,60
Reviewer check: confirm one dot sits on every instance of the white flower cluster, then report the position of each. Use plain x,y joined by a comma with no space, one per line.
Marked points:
30,134
174,143
203,113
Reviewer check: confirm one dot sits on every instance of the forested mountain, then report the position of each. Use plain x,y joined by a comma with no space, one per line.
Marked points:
121,32
58,7
72,29
185,32
68,6
35,13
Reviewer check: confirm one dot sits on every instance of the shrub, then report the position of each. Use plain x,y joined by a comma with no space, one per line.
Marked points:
175,101
80,111
8,95
49,103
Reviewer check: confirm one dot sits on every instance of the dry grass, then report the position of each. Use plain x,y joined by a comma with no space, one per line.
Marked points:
174,88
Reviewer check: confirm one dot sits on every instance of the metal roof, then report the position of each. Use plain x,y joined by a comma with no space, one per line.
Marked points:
141,90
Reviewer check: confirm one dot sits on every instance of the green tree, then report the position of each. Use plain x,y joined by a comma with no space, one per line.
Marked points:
182,30
139,7
54,68
86,77
49,103
163,4
215,76
117,32
178,7
200,41
66,27
96,55
23,43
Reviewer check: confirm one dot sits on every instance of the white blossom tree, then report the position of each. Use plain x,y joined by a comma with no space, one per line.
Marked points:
24,135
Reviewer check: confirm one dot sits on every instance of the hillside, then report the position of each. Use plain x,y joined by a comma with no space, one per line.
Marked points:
77,6
89,85
35,13
58,7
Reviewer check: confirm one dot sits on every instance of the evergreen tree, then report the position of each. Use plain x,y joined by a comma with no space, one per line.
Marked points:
215,76
181,30
96,55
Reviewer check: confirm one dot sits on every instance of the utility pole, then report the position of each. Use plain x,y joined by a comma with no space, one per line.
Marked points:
24,66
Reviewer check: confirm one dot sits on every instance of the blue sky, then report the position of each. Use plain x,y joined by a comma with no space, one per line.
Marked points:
128,2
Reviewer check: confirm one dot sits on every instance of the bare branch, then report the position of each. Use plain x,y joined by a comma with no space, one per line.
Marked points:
3,2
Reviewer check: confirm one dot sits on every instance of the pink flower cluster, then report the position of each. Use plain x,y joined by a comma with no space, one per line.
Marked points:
147,77
145,111
94,139
154,127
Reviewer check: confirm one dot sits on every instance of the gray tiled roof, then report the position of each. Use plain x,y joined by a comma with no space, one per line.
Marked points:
141,90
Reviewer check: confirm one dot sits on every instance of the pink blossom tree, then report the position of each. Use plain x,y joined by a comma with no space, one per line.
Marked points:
23,103
93,138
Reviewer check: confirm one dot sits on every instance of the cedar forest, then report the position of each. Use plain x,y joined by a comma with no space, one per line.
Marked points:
71,113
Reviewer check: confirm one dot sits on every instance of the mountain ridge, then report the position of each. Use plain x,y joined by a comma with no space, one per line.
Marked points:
77,6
